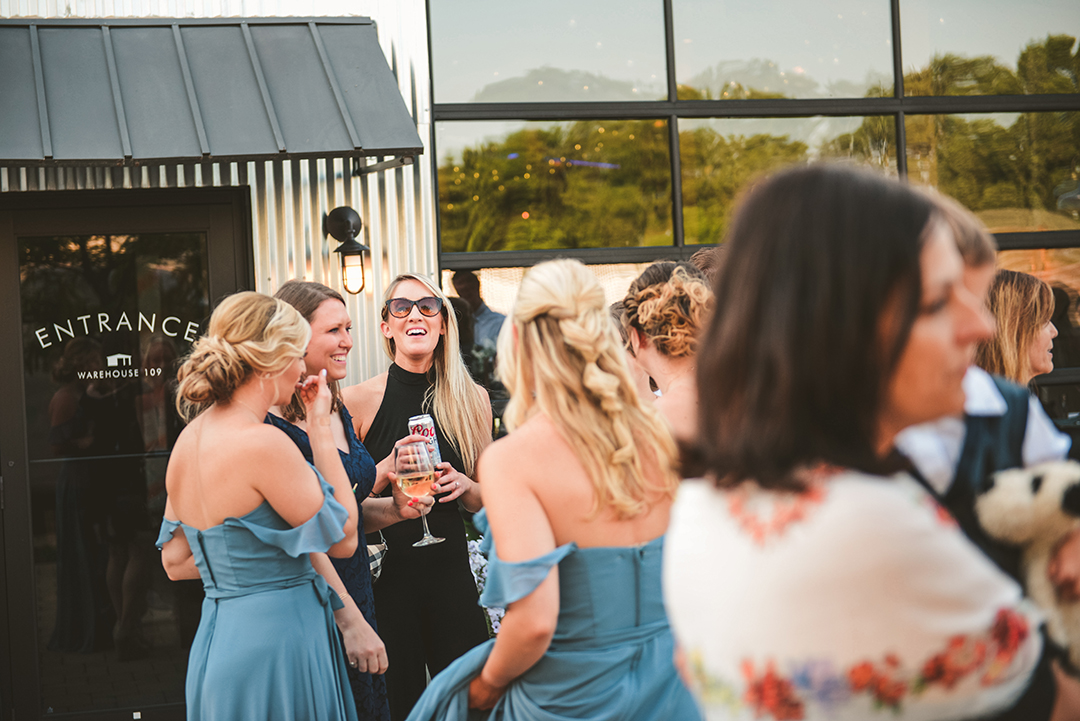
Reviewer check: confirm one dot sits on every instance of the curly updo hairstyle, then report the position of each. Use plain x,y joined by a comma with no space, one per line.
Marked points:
567,362
250,333
669,304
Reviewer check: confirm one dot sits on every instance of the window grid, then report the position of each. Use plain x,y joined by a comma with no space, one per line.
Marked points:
672,110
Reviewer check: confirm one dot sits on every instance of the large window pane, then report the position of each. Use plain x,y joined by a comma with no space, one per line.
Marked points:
719,157
493,51
569,184
1016,171
989,47
784,49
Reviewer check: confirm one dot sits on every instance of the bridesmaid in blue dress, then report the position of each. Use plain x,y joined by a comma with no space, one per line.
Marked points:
331,341
250,510
578,498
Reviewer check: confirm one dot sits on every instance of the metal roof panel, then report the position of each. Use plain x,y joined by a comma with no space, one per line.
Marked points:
135,90
21,136
355,55
158,113
78,91
300,92
232,108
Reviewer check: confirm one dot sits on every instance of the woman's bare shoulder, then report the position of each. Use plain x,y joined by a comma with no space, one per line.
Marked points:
363,396
523,454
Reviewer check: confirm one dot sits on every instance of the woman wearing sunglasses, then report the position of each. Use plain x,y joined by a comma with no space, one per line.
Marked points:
425,600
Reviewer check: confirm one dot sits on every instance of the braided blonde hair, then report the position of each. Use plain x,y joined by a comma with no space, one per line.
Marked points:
249,333
453,399
567,363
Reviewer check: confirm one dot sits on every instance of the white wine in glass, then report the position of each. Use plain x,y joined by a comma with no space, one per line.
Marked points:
415,477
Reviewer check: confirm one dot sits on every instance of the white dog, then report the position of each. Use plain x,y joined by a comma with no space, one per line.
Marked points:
1036,508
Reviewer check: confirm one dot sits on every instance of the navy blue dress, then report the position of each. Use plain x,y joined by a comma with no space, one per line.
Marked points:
369,690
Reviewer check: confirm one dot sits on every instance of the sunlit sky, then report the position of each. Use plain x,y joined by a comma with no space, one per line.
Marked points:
479,42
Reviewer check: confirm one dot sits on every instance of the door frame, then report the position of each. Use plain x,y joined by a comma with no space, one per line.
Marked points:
224,214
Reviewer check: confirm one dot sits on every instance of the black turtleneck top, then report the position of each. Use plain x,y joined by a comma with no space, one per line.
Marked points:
404,398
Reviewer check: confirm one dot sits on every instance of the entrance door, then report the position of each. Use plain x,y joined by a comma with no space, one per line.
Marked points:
102,294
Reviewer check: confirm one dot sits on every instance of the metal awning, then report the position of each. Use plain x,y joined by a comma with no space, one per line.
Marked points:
139,91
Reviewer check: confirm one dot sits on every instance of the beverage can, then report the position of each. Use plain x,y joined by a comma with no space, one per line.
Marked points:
423,425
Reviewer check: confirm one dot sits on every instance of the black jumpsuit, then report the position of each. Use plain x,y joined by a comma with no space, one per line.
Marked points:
425,600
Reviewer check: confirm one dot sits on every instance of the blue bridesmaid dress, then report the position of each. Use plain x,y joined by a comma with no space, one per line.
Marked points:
610,658
267,648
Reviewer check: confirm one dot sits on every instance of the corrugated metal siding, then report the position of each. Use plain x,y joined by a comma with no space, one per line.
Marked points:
288,198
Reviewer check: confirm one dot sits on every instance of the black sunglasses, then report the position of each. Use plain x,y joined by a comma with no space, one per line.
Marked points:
401,307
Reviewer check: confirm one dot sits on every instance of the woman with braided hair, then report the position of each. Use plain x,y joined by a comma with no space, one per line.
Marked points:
666,307
583,484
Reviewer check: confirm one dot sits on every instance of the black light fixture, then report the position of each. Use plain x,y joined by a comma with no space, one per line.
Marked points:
344,224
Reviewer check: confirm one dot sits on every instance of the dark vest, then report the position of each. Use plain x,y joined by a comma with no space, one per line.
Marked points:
991,444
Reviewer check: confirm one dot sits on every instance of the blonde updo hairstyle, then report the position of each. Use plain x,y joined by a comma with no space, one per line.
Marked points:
250,333
567,362
668,304
454,398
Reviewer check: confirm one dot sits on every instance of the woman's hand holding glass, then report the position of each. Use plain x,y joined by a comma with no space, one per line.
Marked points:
415,476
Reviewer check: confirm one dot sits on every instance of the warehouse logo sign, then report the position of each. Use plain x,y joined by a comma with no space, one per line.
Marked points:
170,325
117,365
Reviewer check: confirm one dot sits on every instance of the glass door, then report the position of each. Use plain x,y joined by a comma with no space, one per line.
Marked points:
105,315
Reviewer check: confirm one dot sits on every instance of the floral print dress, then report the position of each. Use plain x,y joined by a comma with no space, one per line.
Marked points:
857,599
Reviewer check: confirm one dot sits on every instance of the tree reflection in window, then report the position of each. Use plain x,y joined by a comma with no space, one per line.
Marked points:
579,184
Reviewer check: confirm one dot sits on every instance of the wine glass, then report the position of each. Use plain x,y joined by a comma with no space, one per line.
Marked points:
415,475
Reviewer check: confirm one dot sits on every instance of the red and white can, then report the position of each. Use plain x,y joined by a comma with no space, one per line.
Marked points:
423,425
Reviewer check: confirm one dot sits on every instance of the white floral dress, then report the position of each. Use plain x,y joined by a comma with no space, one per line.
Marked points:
856,599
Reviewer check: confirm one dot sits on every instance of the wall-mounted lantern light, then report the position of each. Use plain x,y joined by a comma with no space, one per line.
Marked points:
344,224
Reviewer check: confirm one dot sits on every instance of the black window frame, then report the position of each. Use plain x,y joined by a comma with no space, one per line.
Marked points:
898,107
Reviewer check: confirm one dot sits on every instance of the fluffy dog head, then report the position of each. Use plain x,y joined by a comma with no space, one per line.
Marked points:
1024,505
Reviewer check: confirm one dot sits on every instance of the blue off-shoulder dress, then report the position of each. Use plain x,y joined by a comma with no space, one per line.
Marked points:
369,690
267,648
610,658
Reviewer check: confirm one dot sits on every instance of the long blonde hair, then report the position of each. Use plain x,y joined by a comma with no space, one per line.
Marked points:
454,399
1022,305
568,363
249,333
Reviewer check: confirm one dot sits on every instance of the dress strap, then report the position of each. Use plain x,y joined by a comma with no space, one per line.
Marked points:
168,528
315,535
509,581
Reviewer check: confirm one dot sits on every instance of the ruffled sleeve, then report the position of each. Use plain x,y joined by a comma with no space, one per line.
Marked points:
508,581
315,535
168,528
